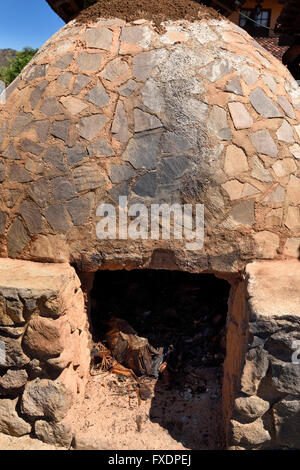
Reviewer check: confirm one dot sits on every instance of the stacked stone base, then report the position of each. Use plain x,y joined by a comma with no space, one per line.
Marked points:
261,391
45,354
44,351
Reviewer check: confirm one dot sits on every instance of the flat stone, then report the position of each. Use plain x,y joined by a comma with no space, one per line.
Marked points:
88,176
115,68
277,195
285,133
240,116
59,434
263,104
218,69
152,96
39,192
101,148
57,217
234,189
11,153
284,167
268,244
98,38
36,71
217,123
61,129
14,355
13,381
55,157
45,398
30,213
90,126
264,143
293,190
128,88
146,185
120,124
19,174
21,123
259,172
292,247
73,105
81,82
42,130
243,213
251,407
286,106
286,414
176,144
3,220
142,152
2,172
62,189
3,132
28,145
119,190
295,150
65,61
143,64
249,75
140,35
235,161
270,82
64,80
250,434
37,93
89,62
76,154
255,369
292,219
98,96
10,422
80,209
145,121
46,337
234,86
50,106
120,173
12,331
173,168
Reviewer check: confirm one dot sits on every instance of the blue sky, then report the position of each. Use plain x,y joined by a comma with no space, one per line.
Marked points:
26,23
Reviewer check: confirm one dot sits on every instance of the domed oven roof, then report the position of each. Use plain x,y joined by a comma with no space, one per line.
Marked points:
195,113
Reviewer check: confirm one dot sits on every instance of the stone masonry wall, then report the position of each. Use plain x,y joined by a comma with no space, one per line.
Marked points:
44,353
197,113
261,395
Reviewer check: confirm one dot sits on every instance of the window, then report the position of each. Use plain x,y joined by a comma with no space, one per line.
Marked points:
260,19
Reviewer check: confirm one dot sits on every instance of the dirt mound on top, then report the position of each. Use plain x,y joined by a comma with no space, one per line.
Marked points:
155,10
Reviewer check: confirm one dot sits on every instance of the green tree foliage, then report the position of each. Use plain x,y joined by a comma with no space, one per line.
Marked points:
16,65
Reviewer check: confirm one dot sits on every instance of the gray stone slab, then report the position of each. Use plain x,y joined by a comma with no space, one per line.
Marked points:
98,96
264,143
98,38
286,106
55,157
145,121
62,189
39,192
250,75
263,104
173,168
36,71
21,123
285,132
32,217
146,185
65,61
2,172
218,69
28,145
87,177
234,86
81,82
217,123
89,62
114,69
17,240
243,213
61,129
57,217
76,154
37,93
42,130
80,209
64,80
120,124
101,148
175,144
19,174
142,152
50,106
240,116
3,220
11,152
90,126
128,88
120,173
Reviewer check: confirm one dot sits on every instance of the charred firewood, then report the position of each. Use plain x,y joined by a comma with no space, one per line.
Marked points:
131,350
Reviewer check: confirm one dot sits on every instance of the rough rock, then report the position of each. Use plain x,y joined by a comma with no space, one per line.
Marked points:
10,422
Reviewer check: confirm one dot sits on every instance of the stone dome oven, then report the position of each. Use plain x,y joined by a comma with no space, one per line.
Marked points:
194,112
